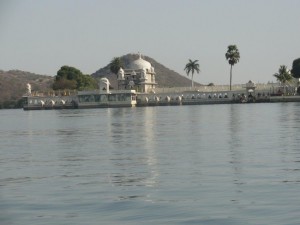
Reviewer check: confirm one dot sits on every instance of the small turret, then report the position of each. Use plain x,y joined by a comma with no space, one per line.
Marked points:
104,85
28,87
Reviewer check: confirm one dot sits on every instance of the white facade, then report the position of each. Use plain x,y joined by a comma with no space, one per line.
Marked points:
139,75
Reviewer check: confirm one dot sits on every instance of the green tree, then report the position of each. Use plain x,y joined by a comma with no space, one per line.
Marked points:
232,56
71,78
283,75
68,72
87,82
192,66
296,68
115,64
63,83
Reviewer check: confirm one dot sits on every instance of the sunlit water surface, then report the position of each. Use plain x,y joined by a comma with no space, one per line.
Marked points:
208,164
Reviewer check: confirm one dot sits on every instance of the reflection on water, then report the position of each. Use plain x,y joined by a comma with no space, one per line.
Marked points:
214,164
235,123
134,146
236,143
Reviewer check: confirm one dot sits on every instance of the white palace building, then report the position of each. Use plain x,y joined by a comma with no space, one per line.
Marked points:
138,75
137,87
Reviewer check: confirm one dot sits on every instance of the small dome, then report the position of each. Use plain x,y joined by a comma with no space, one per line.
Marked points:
139,64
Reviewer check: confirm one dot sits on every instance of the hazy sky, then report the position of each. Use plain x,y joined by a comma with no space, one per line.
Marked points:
41,36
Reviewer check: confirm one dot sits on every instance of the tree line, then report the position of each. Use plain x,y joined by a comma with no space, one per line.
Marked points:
71,78
233,56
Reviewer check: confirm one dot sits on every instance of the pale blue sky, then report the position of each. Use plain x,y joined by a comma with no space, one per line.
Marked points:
41,36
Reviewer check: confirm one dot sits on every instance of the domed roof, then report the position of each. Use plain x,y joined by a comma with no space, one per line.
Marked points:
139,64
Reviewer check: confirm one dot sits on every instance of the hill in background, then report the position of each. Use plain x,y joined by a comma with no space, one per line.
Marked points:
13,82
13,86
164,76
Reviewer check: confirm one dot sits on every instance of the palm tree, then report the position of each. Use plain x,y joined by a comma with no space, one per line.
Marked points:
283,75
232,56
115,64
192,66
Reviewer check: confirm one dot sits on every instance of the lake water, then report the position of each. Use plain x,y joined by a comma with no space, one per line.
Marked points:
204,164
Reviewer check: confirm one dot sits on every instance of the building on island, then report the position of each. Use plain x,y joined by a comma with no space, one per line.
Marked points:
250,86
137,87
138,75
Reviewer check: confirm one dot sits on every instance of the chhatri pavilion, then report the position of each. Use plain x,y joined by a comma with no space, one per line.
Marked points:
138,75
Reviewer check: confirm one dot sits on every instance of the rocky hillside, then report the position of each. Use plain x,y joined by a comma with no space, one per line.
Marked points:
164,76
13,86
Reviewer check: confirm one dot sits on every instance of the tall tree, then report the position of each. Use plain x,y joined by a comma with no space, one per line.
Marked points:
115,64
192,66
296,68
232,56
283,75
